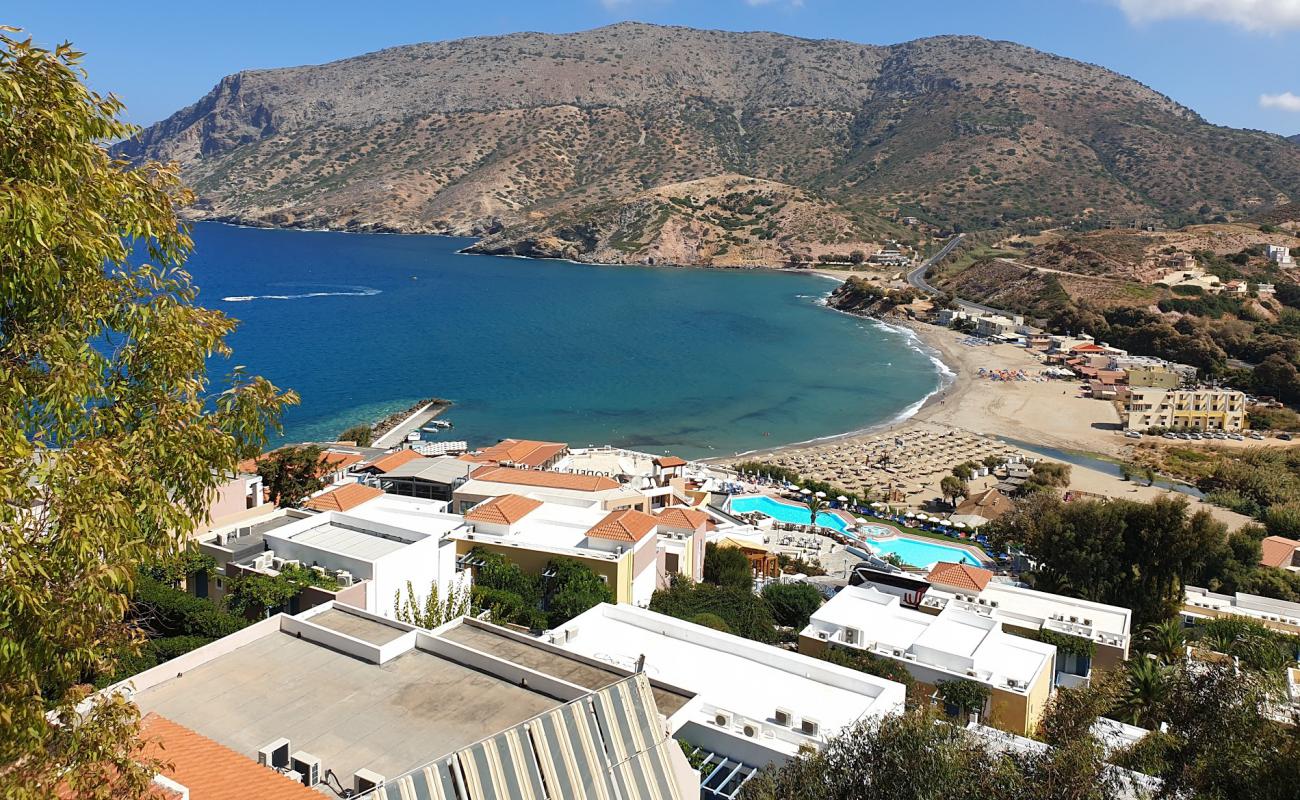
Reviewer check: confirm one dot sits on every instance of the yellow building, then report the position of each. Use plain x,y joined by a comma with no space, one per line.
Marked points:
1186,409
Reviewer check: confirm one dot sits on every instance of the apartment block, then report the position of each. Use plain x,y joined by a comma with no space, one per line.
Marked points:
954,645
1186,409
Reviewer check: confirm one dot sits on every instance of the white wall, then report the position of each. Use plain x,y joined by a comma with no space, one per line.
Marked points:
422,563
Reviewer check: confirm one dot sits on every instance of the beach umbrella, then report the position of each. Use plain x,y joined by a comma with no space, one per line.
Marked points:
842,499
877,504
922,517
945,522
959,525
819,494
908,514
805,491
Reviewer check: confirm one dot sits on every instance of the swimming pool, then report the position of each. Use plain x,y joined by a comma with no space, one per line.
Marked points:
785,512
920,553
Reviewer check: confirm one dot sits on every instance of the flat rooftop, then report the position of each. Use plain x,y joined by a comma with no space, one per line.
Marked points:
367,630
531,655
348,541
953,641
350,713
726,671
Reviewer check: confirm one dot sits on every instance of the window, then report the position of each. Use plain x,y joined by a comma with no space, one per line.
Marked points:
672,563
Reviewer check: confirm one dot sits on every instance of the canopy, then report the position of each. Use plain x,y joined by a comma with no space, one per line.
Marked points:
820,494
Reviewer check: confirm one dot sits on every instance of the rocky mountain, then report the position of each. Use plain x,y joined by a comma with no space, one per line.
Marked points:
725,221
535,133
1295,138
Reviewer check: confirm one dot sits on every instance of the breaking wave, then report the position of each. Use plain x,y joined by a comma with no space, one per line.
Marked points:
343,291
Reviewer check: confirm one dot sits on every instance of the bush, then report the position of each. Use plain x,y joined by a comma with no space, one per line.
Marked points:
361,434
727,566
872,664
163,611
173,646
508,608
713,621
744,612
792,603
574,589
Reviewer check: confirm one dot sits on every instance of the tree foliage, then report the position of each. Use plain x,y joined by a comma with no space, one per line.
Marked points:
744,613
727,566
437,608
112,438
1130,554
361,434
792,603
292,474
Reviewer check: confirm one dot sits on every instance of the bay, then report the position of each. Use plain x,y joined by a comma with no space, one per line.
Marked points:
692,361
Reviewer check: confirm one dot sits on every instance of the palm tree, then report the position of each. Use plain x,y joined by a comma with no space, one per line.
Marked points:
1146,684
1166,641
815,505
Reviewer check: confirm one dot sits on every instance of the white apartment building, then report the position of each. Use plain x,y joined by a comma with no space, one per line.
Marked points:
1185,409
954,645
755,703
1021,609
1280,255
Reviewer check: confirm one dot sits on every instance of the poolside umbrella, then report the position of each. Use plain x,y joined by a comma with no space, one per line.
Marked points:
922,517
945,522
842,499
820,494
862,521
959,524
805,491
908,514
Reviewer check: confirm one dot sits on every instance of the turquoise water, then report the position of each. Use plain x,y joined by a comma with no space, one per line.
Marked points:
785,512
922,554
698,362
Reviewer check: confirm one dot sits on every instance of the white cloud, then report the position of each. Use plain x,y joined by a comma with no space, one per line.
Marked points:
1283,102
1259,15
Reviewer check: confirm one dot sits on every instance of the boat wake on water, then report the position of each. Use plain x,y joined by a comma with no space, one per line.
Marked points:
341,291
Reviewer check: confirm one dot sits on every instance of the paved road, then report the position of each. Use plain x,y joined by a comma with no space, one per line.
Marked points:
917,278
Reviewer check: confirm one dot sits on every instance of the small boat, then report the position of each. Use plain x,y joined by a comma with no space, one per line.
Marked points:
413,436
439,423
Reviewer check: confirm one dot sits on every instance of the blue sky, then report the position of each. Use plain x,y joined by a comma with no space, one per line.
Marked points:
1237,62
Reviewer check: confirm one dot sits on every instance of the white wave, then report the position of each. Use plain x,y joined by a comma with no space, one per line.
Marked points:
353,291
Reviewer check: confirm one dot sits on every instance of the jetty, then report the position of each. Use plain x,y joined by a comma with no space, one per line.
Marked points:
392,432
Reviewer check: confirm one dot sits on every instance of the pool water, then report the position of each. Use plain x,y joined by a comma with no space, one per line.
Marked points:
922,554
785,512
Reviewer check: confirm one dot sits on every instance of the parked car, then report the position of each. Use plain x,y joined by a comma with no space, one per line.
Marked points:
1257,436
1237,437
1170,435
1133,434
1286,437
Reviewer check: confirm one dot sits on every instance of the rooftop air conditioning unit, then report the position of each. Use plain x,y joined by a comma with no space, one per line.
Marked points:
292,775
319,570
898,653
277,562
751,730
308,766
220,539
970,673
784,717
722,719
344,578
821,635
809,727
274,754
1088,622
363,780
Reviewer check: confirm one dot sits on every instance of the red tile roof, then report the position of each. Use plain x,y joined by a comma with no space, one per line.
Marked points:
670,461
545,479
1088,348
688,519
627,525
212,771
518,451
344,498
960,576
504,510
333,460
394,459
1277,551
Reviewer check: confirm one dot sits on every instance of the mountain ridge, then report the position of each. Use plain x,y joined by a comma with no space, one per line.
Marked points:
474,136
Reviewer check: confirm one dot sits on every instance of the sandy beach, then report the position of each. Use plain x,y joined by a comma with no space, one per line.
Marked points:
966,420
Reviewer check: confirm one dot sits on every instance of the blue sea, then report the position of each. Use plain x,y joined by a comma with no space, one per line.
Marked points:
696,362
